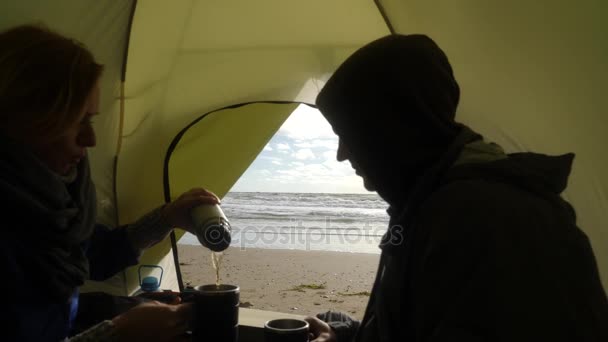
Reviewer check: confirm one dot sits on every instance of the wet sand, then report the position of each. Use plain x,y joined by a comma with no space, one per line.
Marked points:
290,281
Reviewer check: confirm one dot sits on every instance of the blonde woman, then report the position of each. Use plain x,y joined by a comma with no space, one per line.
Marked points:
49,95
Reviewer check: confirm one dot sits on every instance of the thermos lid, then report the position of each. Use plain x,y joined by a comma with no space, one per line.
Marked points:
150,284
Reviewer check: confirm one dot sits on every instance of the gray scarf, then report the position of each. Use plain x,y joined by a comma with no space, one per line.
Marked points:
45,220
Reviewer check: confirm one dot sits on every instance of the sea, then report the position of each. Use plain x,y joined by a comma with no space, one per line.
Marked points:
351,223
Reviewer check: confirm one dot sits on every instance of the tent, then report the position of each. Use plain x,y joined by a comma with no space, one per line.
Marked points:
193,89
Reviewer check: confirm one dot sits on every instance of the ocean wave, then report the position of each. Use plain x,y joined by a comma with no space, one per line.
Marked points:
258,217
312,229
258,210
310,215
370,201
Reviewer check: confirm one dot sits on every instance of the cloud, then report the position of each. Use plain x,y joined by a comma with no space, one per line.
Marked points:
330,144
329,155
309,174
306,123
282,147
303,144
304,154
301,157
270,158
339,168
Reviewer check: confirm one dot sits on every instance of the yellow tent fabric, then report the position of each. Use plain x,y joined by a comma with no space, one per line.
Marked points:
532,75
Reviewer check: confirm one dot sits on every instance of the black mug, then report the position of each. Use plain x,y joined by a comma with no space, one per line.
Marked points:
216,313
286,330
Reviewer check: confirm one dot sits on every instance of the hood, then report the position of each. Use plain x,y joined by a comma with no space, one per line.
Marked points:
535,172
392,104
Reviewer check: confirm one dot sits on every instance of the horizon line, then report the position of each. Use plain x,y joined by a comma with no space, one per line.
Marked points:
309,192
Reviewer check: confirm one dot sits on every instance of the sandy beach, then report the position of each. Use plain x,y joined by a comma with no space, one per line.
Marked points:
291,281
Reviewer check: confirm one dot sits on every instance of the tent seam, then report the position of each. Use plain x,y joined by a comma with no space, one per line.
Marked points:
385,16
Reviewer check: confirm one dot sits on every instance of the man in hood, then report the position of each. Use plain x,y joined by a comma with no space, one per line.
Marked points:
480,246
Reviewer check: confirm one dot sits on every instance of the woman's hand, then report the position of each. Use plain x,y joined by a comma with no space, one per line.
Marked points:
167,297
320,331
153,321
177,213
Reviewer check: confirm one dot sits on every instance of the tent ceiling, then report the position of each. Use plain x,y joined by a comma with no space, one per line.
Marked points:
226,25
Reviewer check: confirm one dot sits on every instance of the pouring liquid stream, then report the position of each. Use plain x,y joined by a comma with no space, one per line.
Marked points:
216,259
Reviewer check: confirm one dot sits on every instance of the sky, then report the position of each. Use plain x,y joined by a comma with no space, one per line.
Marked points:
301,157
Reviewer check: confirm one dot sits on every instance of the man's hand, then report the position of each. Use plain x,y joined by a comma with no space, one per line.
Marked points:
320,331
153,321
177,213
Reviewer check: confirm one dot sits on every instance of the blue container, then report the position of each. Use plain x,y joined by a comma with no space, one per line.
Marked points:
150,283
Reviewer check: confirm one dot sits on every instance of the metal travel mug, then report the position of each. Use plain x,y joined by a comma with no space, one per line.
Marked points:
286,330
216,313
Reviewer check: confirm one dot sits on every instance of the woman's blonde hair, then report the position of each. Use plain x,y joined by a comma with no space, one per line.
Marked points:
45,79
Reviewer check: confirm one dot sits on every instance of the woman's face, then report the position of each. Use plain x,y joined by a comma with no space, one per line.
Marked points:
65,152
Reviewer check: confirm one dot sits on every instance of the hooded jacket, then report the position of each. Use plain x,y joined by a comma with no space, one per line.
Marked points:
476,251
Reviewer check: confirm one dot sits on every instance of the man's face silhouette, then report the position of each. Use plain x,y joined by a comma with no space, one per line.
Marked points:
344,154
